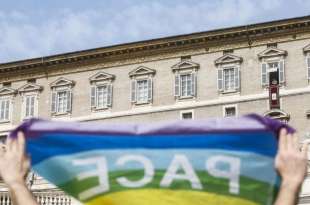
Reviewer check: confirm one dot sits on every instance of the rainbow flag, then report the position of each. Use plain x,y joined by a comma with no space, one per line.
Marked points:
220,161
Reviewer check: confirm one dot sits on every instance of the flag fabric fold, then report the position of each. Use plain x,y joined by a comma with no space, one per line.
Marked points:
190,162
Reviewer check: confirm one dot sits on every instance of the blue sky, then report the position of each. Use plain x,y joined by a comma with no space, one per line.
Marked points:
33,28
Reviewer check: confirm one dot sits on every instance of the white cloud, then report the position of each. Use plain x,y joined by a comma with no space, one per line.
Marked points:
25,34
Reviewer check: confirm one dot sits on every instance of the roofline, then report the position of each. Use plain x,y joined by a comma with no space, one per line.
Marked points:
125,48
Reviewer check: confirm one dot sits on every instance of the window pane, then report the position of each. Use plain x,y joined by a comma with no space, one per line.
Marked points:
230,112
142,90
187,115
62,101
4,109
29,106
229,78
186,85
102,96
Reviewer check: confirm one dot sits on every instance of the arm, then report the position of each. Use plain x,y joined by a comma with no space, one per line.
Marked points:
291,163
13,167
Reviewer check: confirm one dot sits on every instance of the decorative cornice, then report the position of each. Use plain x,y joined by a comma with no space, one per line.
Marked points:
142,70
30,87
272,52
62,82
188,64
101,76
247,33
7,91
228,58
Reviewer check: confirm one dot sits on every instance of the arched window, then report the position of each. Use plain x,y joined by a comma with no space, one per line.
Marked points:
278,115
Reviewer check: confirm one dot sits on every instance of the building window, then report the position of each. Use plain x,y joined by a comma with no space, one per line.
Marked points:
228,79
273,73
187,115
30,106
61,96
230,111
141,90
308,67
5,109
186,85
101,96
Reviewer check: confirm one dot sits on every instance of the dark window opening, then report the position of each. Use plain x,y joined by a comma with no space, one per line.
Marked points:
187,115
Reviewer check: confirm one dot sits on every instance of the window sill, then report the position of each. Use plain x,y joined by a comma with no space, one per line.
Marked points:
61,114
4,121
142,103
95,109
185,97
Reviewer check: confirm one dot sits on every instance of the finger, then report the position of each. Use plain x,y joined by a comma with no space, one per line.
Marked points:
14,146
21,142
290,143
282,140
295,142
304,149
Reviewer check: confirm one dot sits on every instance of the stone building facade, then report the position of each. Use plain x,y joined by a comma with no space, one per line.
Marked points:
218,73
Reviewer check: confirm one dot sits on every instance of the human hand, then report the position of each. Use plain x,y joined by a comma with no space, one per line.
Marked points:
13,162
291,162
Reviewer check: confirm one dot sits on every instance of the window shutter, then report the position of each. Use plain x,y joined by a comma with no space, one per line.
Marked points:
133,90
281,72
69,101
150,89
110,95
194,84
27,106
237,78
264,74
177,85
93,96
220,79
7,110
53,106
308,66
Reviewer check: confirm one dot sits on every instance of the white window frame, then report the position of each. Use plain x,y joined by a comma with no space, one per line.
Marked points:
236,69
134,89
145,89
193,84
308,66
182,112
94,100
225,107
105,97
24,105
58,90
269,61
9,98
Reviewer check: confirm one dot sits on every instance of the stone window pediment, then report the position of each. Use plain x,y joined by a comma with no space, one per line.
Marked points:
187,64
142,70
62,82
228,58
7,91
30,87
101,76
306,49
272,52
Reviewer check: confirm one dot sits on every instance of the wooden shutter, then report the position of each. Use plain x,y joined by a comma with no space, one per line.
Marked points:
54,104
194,84
133,90
28,104
237,78
220,79
308,66
110,95
150,89
177,85
281,72
264,74
93,96
7,109
69,101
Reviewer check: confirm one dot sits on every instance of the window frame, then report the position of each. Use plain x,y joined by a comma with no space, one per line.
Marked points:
182,112
10,105
68,91
24,105
188,92
269,61
144,101
308,66
236,86
225,107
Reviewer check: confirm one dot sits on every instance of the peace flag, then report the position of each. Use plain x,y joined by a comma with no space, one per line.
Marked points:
190,162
